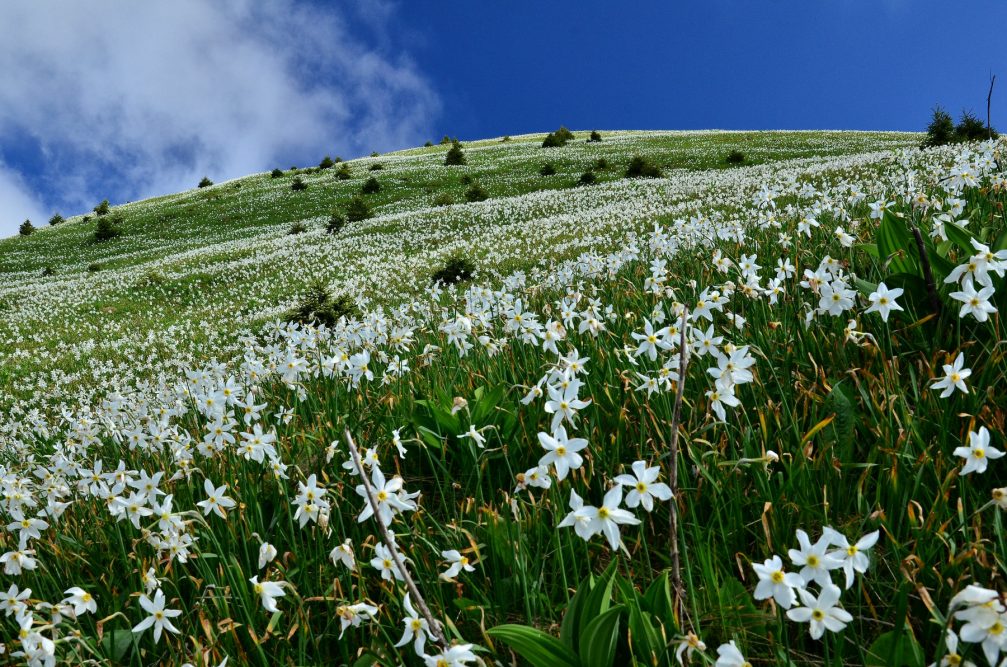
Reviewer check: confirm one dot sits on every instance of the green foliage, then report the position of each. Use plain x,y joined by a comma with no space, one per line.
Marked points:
642,167
428,144
595,137
445,140
326,162
298,184
102,208
56,219
336,223
587,178
318,306
444,199
601,164
343,173
547,169
93,267
26,228
457,269
377,166
476,193
206,182
370,186
297,227
735,157
455,155
971,128
107,229
357,210
941,129
48,271
276,173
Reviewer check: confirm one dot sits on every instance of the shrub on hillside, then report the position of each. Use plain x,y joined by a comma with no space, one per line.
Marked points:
326,162
26,228
735,157
93,267
505,139
547,169
344,173
336,223
942,130
318,306
457,269
370,186
102,208
357,210
298,184
587,178
595,137
455,156
56,219
476,193
377,166
48,271
970,128
428,144
641,167
205,183
552,141
297,228
444,199
107,229
445,140
375,154
276,173
601,164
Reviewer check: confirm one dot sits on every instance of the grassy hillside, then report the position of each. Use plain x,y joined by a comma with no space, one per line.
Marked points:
837,404
192,270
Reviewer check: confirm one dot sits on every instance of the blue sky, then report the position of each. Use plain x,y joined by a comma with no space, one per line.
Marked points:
124,100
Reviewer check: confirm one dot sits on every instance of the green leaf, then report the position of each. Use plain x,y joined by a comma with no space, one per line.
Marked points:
535,646
599,640
570,627
885,648
737,608
961,237
1001,242
599,600
658,601
895,244
116,643
870,248
645,636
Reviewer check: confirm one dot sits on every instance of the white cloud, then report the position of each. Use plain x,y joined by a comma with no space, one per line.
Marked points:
17,203
143,98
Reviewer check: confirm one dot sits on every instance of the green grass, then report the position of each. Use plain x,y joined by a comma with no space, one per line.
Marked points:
863,442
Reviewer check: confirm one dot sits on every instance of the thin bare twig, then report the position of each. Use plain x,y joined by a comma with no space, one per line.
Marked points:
386,537
989,96
676,567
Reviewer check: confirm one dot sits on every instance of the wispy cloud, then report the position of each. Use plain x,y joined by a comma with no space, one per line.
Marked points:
123,99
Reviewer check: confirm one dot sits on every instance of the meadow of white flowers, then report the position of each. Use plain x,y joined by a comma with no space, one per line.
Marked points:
387,490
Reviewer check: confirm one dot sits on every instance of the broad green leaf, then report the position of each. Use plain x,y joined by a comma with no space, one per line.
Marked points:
961,237
570,627
895,244
535,646
1001,242
600,639
646,638
870,248
885,648
600,598
658,601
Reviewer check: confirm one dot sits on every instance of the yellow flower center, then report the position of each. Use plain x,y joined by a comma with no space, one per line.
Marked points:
817,615
777,577
813,560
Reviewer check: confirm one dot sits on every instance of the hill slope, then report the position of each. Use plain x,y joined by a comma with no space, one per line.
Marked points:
193,270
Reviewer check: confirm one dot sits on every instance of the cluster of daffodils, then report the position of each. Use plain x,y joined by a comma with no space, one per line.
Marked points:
817,562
